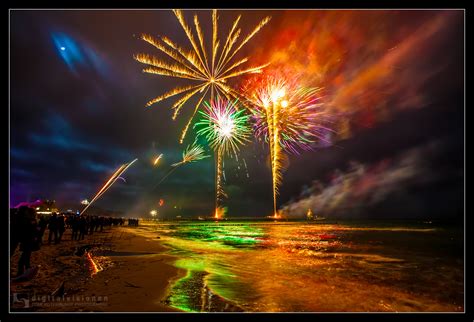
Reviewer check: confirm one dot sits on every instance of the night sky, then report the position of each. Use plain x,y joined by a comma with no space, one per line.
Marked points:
394,79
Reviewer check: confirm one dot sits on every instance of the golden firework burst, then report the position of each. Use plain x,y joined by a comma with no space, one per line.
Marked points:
206,70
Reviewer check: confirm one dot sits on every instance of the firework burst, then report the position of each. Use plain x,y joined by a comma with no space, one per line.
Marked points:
289,117
205,70
225,128
296,114
192,153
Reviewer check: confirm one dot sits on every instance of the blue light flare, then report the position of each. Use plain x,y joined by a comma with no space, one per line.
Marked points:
73,55
77,54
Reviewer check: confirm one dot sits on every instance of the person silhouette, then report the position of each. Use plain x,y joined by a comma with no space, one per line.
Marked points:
53,228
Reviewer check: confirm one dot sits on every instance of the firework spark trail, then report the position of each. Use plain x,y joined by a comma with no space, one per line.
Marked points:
290,118
276,164
220,194
192,153
157,159
246,169
197,65
225,128
190,120
109,183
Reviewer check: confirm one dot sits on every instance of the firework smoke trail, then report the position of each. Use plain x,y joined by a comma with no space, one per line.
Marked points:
109,183
225,128
289,117
197,65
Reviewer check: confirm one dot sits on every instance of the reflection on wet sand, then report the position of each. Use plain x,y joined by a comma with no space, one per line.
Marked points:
292,267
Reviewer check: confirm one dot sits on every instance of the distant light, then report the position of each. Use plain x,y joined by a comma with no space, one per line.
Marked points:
63,48
85,202
37,208
153,213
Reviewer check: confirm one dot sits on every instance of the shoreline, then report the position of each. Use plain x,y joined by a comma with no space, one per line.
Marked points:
134,276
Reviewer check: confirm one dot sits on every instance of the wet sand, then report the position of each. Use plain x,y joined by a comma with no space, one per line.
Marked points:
136,274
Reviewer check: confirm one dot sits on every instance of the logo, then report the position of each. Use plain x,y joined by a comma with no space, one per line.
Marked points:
21,301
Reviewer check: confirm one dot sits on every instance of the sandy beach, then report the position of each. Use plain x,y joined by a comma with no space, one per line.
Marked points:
131,275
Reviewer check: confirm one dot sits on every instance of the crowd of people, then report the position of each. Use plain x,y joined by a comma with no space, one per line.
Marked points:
27,230
132,222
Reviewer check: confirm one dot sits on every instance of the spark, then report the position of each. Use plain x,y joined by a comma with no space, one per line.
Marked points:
198,65
220,193
192,153
157,159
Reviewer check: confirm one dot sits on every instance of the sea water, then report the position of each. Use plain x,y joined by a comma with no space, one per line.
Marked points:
278,266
